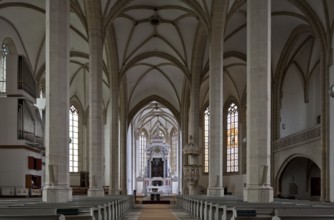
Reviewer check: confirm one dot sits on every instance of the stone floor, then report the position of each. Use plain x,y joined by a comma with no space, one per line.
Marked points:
156,211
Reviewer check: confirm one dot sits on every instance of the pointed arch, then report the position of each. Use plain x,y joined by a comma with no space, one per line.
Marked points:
206,131
152,98
231,135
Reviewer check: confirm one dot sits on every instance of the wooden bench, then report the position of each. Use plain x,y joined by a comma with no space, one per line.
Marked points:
48,209
209,208
304,213
32,217
83,209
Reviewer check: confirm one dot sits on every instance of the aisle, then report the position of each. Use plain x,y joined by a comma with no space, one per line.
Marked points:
156,211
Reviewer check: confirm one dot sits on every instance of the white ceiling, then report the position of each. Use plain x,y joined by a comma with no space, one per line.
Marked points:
154,60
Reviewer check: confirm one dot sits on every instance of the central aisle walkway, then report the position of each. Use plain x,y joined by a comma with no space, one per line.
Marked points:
156,211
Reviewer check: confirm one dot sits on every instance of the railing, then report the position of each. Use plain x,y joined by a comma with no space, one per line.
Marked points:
97,208
19,191
298,138
224,208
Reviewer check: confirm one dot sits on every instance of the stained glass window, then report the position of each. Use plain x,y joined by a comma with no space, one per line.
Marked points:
232,139
142,153
3,67
74,136
206,139
174,152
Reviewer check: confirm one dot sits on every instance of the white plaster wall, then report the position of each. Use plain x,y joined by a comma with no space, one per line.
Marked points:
293,109
234,184
313,106
77,84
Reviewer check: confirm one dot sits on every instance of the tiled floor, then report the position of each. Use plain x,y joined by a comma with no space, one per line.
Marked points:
156,211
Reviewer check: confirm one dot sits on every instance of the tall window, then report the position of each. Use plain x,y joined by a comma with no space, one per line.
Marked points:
3,67
174,152
206,139
74,136
232,139
142,153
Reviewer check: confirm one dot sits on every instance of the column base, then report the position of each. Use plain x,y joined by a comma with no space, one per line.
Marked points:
56,194
95,192
115,192
258,194
215,192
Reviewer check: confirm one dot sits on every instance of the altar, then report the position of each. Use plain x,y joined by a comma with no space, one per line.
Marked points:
157,178
158,185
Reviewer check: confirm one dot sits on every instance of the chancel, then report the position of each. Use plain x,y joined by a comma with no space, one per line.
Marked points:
158,176
213,109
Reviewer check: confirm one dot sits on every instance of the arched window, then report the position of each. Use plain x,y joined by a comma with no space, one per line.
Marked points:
74,136
3,67
142,153
206,139
174,151
232,139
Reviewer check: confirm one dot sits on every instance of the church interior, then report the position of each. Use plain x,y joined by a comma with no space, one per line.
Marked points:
224,108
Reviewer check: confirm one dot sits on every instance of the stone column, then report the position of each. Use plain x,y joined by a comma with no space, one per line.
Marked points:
194,116
184,139
258,187
114,136
216,99
325,125
57,177
95,118
123,150
331,126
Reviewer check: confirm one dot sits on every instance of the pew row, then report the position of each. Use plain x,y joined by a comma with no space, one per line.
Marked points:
32,217
97,208
221,208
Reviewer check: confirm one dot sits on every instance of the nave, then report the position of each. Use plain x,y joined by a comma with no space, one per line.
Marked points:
156,211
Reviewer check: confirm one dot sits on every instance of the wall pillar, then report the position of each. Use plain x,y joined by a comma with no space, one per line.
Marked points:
95,130
114,136
57,179
258,187
216,99
194,115
331,124
123,150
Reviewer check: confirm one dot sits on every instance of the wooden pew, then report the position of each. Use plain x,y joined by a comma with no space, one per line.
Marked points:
32,217
304,213
209,208
83,213
101,208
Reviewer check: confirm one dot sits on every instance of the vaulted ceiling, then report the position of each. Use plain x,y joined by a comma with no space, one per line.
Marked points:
156,42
